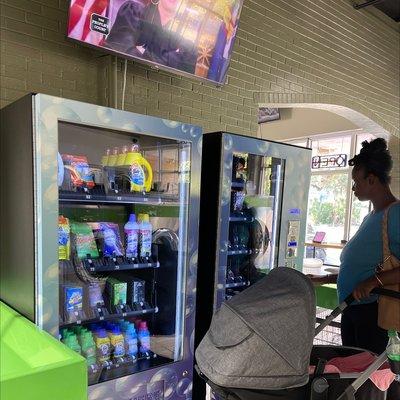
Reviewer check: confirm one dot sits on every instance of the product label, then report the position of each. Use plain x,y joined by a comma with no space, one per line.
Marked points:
95,296
63,242
85,244
111,242
132,347
119,349
103,351
132,242
89,352
120,293
136,175
144,344
145,242
63,236
73,298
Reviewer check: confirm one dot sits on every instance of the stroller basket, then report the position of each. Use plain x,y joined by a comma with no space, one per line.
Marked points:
260,344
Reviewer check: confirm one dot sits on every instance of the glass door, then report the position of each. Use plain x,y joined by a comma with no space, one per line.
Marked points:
256,193
123,203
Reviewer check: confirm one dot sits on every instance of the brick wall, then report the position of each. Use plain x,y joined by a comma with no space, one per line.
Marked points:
319,48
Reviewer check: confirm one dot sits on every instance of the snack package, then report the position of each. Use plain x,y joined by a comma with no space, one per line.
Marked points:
80,172
136,291
116,291
108,238
95,295
73,298
64,240
85,244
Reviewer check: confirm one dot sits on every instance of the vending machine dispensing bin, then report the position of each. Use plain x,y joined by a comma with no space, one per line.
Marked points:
99,235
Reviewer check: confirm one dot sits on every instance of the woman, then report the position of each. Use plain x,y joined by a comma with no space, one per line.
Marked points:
143,29
358,272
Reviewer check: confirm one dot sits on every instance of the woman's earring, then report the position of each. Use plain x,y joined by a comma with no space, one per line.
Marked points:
155,2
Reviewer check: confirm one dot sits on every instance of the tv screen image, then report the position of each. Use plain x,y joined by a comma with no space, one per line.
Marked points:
193,37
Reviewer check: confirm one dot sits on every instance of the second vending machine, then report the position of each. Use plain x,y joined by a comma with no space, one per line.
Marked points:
252,218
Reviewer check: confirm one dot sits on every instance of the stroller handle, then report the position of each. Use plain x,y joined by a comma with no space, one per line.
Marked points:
349,300
380,291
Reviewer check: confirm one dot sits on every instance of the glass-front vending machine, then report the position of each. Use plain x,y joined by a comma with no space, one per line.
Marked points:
252,218
99,236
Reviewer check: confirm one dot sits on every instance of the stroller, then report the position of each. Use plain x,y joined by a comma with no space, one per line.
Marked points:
260,345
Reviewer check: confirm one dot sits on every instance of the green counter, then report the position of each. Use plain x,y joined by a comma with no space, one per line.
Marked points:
327,296
36,366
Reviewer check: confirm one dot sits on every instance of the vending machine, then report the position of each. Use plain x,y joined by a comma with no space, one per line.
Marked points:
252,218
99,236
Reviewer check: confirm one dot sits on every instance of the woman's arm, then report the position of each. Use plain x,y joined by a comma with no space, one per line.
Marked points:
323,279
380,279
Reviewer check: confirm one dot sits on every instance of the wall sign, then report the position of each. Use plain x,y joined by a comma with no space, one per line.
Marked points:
329,161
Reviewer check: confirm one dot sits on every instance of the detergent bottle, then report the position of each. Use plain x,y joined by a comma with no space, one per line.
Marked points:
112,158
71,341
131,341
103,345
144,338
393,353
117,342
106,156
131,230
122,156
88,347
140,171
145,236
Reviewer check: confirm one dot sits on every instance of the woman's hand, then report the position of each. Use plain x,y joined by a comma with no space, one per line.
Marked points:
363,290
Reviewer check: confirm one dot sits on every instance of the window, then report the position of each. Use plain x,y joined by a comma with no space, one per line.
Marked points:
332,207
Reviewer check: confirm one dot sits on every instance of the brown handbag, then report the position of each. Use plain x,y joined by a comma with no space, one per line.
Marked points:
389,308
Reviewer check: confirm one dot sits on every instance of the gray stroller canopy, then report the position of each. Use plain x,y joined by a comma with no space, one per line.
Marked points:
262,338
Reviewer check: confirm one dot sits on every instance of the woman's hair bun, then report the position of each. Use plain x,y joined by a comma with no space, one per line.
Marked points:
374,146
375,158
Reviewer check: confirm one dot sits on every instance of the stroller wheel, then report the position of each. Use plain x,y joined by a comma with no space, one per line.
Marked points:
319,389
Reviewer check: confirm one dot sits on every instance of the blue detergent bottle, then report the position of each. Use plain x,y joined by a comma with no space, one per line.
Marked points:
131,230
144,339
131,342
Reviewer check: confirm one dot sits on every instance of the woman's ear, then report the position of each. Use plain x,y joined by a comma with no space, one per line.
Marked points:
372,179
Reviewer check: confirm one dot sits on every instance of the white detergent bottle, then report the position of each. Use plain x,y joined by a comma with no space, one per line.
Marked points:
145,237
131,230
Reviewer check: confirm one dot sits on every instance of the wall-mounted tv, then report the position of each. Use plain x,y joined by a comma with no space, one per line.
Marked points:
193,37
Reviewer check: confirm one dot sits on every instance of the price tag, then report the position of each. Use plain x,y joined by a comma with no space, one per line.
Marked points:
124,314
144,311
119,198
88,197
149,264
78,322
92,269
101,318
145,199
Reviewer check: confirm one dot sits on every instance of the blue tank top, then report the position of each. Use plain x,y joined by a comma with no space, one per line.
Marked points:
364,251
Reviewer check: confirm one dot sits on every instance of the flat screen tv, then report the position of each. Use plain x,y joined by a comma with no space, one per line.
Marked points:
192,37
